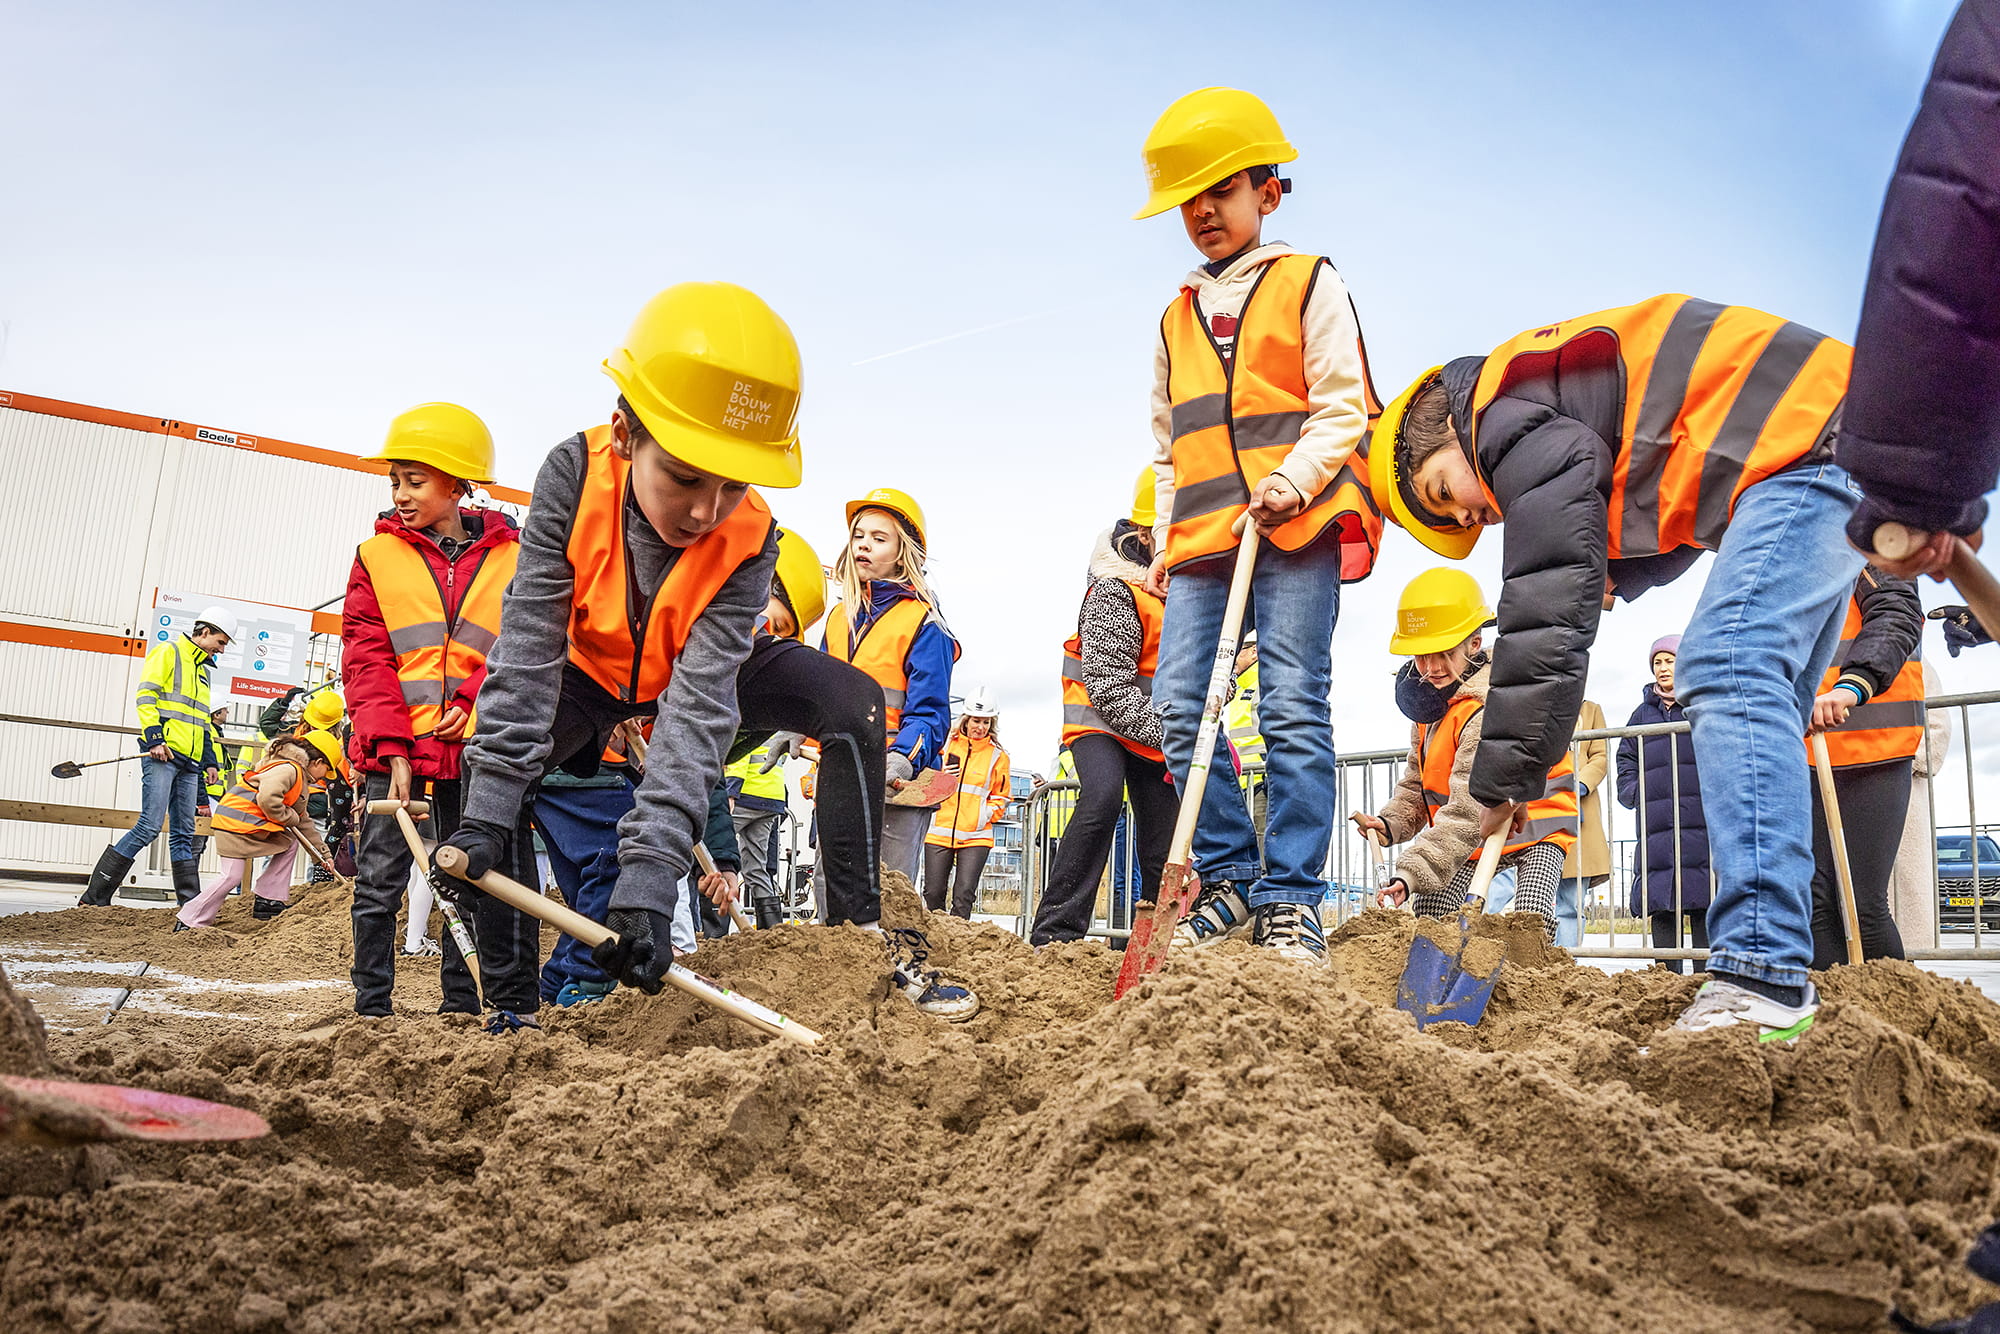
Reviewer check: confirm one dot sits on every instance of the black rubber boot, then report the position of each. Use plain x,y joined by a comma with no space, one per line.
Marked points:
264,909
768,910
187,882
109,873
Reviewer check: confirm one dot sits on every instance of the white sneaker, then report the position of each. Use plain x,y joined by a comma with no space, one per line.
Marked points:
1292,930
1720,1004
1218,912
425,948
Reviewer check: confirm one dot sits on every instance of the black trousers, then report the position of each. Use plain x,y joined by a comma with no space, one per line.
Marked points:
952,875
782,686
1667,935
1106,774
1873,798
508,940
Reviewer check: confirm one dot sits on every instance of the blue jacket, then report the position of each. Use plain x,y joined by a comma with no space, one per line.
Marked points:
1656,821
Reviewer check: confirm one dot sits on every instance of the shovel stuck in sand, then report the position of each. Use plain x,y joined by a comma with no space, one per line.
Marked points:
1436,987
56,1113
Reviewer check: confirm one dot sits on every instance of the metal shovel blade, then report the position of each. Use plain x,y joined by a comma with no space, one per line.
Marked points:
1436,989
67,769
58,1111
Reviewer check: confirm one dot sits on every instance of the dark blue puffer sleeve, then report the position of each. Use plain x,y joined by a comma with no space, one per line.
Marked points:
1921,431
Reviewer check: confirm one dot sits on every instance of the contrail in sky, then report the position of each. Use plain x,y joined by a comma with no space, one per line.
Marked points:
966,333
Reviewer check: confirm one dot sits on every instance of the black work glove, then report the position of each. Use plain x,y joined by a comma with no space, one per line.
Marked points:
1961,629
642,951
484,845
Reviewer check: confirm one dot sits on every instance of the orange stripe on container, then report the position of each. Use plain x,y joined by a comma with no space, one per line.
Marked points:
88,641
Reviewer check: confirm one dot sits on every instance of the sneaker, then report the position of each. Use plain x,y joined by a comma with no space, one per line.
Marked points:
1292,929
179,925
1721,1004
426,948
502,1022
1218,912
926,988
583,993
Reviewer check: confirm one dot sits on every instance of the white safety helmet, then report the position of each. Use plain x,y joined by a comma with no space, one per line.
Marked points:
221,618
980,705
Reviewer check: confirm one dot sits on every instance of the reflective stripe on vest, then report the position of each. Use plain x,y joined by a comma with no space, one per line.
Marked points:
239,812
1079,718
1239,721
1716,398
624,646
1235,421
436,652
884,651
173,687
769,785
1890,726
965,819
1552,817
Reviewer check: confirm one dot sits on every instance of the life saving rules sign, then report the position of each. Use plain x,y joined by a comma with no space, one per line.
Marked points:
267,657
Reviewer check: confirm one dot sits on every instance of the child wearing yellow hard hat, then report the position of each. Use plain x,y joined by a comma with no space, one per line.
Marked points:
1442,690
645,576
419,619
1261,401
888,624
1618,446
258,817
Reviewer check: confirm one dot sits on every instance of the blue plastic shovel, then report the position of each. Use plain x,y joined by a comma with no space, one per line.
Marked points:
1435,987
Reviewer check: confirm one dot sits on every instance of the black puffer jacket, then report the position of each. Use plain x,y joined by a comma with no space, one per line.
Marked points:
1653,872
1922,428
1892,624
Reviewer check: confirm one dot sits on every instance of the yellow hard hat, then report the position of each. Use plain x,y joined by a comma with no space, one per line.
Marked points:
714,375
1206,137
328,746
803,579
1145,502
1386,480
442,436
899,503
323,711
1439,610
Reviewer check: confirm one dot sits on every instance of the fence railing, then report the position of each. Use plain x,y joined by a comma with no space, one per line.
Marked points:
1929,922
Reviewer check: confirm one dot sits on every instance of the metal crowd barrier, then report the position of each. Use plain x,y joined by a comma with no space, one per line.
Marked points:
1366,779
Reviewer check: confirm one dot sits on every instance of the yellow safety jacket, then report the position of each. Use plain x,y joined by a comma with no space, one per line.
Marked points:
965,820
1239,720
173,699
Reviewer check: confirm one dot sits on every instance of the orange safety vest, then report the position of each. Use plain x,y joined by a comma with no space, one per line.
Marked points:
239,812
1079,717
1890,726
436,653
1551,817
626,645
884,651
1234,422
966,819
1716,399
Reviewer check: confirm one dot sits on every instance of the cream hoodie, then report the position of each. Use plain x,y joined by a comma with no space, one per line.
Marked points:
1335,376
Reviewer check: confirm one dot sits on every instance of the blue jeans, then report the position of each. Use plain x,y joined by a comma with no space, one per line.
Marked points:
1569,912
1500,894
168,795
580,829
1294,601
1763,633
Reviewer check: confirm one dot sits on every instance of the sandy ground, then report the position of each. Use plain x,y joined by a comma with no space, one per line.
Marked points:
1241,1145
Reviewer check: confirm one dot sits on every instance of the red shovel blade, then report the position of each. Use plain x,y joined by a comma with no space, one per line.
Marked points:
1153,933
84,1112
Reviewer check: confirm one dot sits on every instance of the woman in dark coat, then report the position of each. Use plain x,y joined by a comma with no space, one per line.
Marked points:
1653,869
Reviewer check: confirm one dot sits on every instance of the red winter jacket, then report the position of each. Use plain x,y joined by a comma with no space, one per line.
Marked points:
373,691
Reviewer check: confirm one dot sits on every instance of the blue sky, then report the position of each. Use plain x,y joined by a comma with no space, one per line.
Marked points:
298,221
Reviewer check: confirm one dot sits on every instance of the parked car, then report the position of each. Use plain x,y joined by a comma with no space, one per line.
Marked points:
1957,900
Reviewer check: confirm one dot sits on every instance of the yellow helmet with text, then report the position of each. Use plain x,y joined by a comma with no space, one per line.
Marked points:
1439,610
803,579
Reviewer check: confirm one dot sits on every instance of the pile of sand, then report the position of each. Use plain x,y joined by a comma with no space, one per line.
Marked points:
1242,1145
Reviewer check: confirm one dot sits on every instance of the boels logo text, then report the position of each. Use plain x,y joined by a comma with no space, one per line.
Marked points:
215,437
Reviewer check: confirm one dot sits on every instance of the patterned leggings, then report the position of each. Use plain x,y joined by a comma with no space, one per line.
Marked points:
1538,870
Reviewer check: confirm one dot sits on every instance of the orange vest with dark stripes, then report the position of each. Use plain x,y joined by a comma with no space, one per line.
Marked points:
1890,726
1079,717
1716,399
239,812
884,650
1235,421
623,642
436,652
1551,816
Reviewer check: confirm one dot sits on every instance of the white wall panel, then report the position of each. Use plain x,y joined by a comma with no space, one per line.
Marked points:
77,509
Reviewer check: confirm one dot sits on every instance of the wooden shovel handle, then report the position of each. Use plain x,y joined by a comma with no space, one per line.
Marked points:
417,808
1975,583
1829,801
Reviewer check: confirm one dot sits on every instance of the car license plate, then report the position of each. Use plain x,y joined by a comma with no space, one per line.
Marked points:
1962,903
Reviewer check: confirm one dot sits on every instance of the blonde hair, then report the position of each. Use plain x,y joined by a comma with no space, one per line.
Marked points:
909,567
992,730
